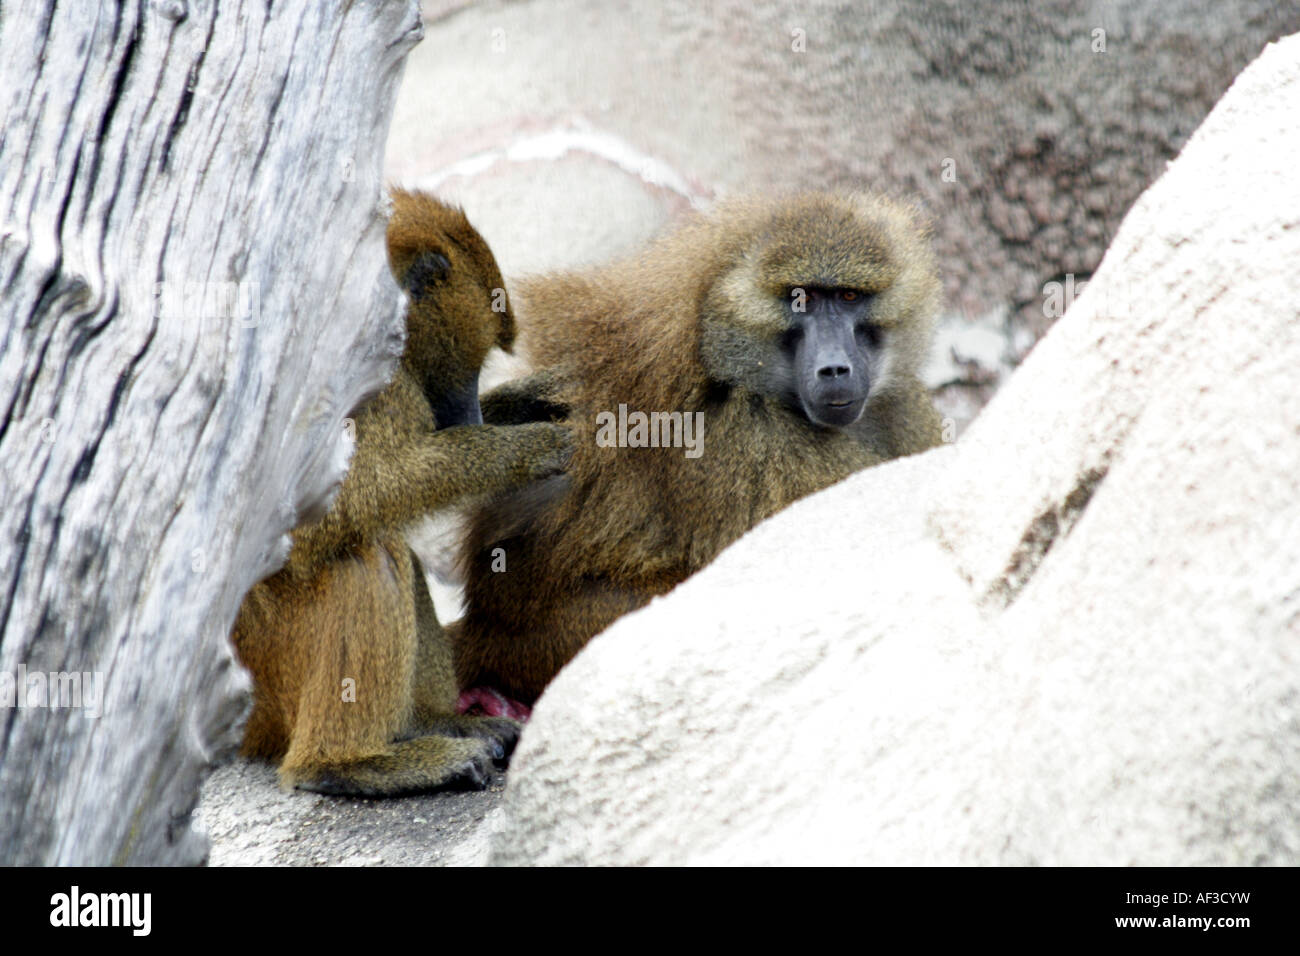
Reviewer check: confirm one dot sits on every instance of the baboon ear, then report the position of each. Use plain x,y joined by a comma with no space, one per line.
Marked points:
428,269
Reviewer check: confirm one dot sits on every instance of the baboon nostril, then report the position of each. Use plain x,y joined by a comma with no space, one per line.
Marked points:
833,371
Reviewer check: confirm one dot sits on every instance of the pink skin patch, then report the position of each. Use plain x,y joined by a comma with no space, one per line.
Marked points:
486,702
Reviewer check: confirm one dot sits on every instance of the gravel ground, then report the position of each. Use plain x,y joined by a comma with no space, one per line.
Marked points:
252,822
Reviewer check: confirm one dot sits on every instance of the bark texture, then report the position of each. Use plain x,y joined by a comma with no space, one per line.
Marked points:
194,294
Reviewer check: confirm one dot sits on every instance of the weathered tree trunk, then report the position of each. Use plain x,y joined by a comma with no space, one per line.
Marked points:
193,294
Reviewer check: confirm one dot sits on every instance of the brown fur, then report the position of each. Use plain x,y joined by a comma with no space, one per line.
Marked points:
352,601
689,324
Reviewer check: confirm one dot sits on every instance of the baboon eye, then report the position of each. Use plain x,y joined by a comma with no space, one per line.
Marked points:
848,295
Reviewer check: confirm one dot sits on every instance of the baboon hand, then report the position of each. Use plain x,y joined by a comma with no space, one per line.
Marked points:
547,448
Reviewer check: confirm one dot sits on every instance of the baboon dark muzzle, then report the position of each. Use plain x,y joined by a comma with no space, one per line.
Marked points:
458,406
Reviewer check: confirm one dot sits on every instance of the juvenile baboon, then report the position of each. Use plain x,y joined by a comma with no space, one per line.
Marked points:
788,332
354,689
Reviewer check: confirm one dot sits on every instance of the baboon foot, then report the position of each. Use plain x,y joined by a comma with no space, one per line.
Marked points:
418,765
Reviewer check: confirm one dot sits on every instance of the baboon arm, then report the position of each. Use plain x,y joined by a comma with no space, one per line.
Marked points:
391,483
449,466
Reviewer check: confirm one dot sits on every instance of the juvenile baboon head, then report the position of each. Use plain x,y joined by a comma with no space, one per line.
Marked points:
457,308
827,302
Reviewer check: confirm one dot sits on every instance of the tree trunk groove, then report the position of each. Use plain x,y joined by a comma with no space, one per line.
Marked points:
194,294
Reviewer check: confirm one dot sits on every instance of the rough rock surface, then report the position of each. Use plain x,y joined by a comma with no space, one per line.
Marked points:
1070,638
252,822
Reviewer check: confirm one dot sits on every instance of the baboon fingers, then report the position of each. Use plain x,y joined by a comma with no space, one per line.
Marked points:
500,733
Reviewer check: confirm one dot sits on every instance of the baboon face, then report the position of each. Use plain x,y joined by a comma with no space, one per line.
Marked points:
831,347
818,349
825,303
